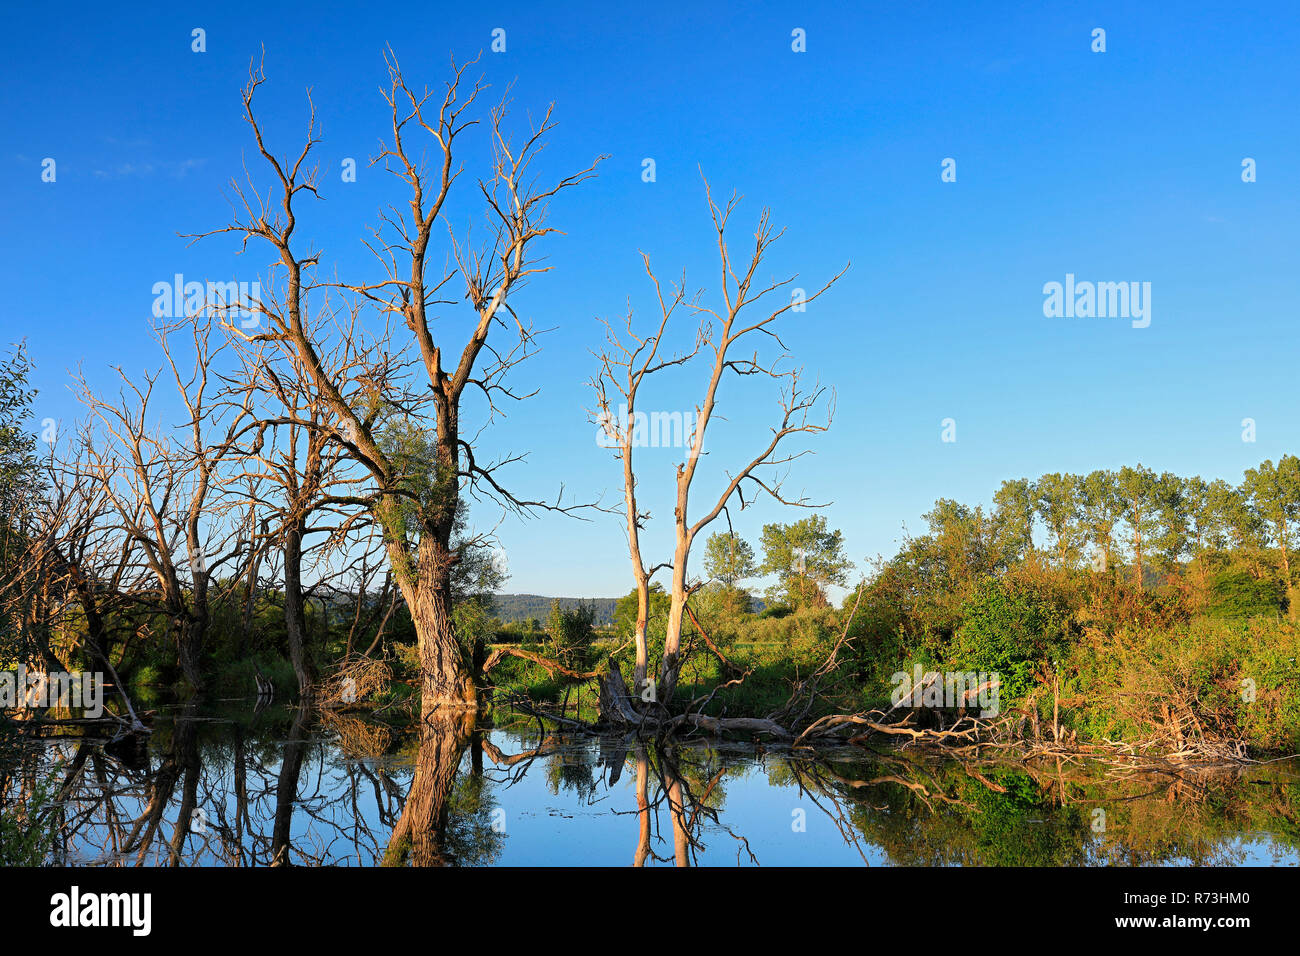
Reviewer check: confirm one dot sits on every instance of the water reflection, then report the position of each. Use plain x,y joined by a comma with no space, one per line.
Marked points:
286,787
423,836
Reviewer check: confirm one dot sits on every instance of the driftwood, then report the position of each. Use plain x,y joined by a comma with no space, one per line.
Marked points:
726,725
617,706
615,702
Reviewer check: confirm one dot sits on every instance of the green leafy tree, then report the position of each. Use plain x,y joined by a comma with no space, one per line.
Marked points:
1174,520
1008,631
806,558
474,623
964,540
18,472
1138,488
1274,495
625,611
1208,527
1014,507
569,631
721,604
728,558
1242,526
1102,508
1058,503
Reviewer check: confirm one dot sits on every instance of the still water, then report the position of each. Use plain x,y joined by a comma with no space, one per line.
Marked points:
227,786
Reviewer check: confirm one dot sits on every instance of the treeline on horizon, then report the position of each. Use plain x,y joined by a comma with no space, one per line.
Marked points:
525,608
1153,527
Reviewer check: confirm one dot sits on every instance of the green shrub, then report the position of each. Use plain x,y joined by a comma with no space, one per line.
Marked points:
1008,630
1237,593
1138,683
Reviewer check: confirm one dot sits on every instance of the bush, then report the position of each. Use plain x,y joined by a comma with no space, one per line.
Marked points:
1192,681
1238,594
569,632
239,678
1010,631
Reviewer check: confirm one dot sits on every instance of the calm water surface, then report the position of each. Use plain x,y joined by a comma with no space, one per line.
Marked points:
225,786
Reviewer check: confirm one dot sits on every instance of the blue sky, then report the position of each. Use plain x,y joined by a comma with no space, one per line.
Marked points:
1115,166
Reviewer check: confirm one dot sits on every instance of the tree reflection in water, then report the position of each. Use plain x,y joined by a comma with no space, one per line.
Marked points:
286,787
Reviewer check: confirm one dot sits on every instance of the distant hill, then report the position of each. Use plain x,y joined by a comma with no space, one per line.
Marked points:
521,607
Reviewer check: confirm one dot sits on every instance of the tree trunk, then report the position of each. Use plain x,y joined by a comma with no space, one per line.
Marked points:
1286,561
677,810
673,638
642,807
1137,553
446,681
286,789
638,565
190,629
295,618
642,623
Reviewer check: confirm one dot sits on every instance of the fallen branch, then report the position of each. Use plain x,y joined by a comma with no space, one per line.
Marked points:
500,653
726,662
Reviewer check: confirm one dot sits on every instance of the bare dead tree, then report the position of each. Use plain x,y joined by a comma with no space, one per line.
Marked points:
724,332
625,363
295,471
161,488
92,564
33,585
419,517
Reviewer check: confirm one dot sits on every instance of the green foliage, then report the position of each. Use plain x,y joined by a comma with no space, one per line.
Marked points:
1008,630
806,558
1058,503
473,620
18,480
1139,489
1014,508
1191,680
1236,593
525,608
28,829
1274,496
721,604
728,558
773,650
625,612
569,632
1101,509
238,678
20,483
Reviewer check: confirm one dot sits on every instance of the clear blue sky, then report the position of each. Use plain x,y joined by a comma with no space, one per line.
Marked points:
1115,166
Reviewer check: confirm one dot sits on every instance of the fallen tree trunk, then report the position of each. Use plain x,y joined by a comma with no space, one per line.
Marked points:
615,702
726,725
